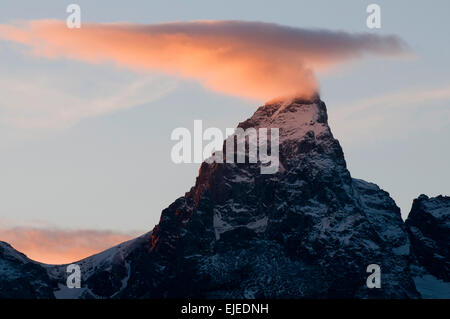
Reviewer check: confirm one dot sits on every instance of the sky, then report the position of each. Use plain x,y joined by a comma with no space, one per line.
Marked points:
103,168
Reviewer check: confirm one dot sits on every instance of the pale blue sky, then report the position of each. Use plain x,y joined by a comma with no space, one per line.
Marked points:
113,171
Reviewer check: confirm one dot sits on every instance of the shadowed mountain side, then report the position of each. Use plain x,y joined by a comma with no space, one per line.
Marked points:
308,231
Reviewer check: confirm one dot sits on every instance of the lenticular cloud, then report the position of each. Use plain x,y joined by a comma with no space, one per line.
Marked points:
247,59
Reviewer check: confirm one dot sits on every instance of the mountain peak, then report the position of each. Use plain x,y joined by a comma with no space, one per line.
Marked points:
307,231
295,99
296,118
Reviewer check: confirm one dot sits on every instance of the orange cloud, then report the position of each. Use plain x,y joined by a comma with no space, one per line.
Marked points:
54,246
253,60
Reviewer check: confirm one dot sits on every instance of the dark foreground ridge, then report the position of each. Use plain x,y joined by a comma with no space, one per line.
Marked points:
308,231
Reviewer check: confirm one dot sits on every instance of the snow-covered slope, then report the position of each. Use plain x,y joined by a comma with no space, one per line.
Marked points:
20,277
104,275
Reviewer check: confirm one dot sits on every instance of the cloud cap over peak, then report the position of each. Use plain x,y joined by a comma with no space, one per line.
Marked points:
253,60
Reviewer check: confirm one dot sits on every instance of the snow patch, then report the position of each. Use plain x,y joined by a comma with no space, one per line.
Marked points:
431,287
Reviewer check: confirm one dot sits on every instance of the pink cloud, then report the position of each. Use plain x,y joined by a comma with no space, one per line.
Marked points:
53,246
253,60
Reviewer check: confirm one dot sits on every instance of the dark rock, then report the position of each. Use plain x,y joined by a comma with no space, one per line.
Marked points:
429,229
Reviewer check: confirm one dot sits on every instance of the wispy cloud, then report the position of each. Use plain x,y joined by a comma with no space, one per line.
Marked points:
253,60
393,114
405,98
56,246
36,103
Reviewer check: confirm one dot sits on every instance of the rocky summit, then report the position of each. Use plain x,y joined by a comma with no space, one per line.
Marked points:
308,231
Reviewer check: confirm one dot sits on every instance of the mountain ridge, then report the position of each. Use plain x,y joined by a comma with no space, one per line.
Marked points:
308,231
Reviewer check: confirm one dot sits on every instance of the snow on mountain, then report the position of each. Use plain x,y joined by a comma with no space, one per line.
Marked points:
21,277
104,274
308,231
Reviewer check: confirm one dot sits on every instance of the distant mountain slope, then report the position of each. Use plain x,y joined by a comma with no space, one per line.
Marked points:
104,275
20,277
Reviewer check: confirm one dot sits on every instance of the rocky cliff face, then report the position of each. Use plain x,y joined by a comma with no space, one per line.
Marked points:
429,228
308,231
